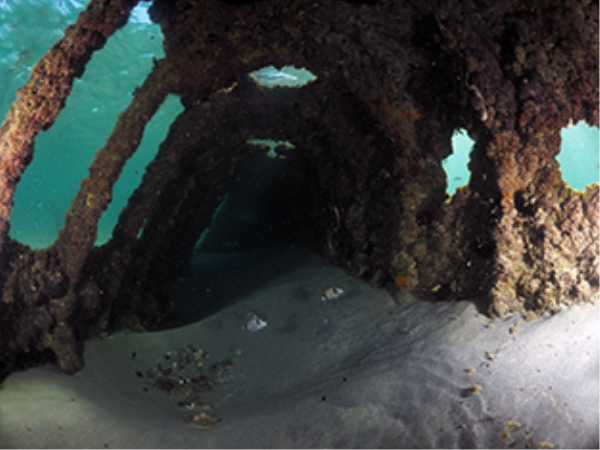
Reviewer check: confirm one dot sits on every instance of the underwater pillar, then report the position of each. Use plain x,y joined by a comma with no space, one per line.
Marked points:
35,325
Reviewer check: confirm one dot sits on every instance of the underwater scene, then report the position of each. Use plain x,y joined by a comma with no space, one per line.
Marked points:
27,33
250,281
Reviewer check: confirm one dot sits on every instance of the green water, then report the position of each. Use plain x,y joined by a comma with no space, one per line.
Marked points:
455,165
63,154
287,76
578,157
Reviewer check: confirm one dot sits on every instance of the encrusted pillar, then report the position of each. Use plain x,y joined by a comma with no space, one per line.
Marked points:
32,330
531,70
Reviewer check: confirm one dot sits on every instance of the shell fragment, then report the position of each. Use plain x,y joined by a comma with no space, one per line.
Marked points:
255,323
332,293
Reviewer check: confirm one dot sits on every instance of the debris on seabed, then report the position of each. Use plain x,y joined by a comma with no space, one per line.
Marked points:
332,293
181,375
510,425
254,323
202,420
513,329
473,390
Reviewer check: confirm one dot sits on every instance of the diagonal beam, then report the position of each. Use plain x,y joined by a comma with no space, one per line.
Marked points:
39,102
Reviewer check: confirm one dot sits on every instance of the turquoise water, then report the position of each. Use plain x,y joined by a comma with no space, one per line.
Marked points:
63,154
455,165
287,76
579,155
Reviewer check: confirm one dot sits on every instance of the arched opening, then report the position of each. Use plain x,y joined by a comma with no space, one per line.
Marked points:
266,213
264,204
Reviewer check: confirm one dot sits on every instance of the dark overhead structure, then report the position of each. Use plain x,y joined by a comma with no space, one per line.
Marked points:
395,79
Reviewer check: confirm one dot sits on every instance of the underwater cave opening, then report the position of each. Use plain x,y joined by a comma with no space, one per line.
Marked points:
579,156
261,208
265,215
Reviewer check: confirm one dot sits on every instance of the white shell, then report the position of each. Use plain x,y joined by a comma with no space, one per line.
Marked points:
255,323
332,293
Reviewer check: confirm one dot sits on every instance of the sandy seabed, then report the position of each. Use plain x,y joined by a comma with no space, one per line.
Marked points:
356,371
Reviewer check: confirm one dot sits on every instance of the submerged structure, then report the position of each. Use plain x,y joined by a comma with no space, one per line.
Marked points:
395,79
